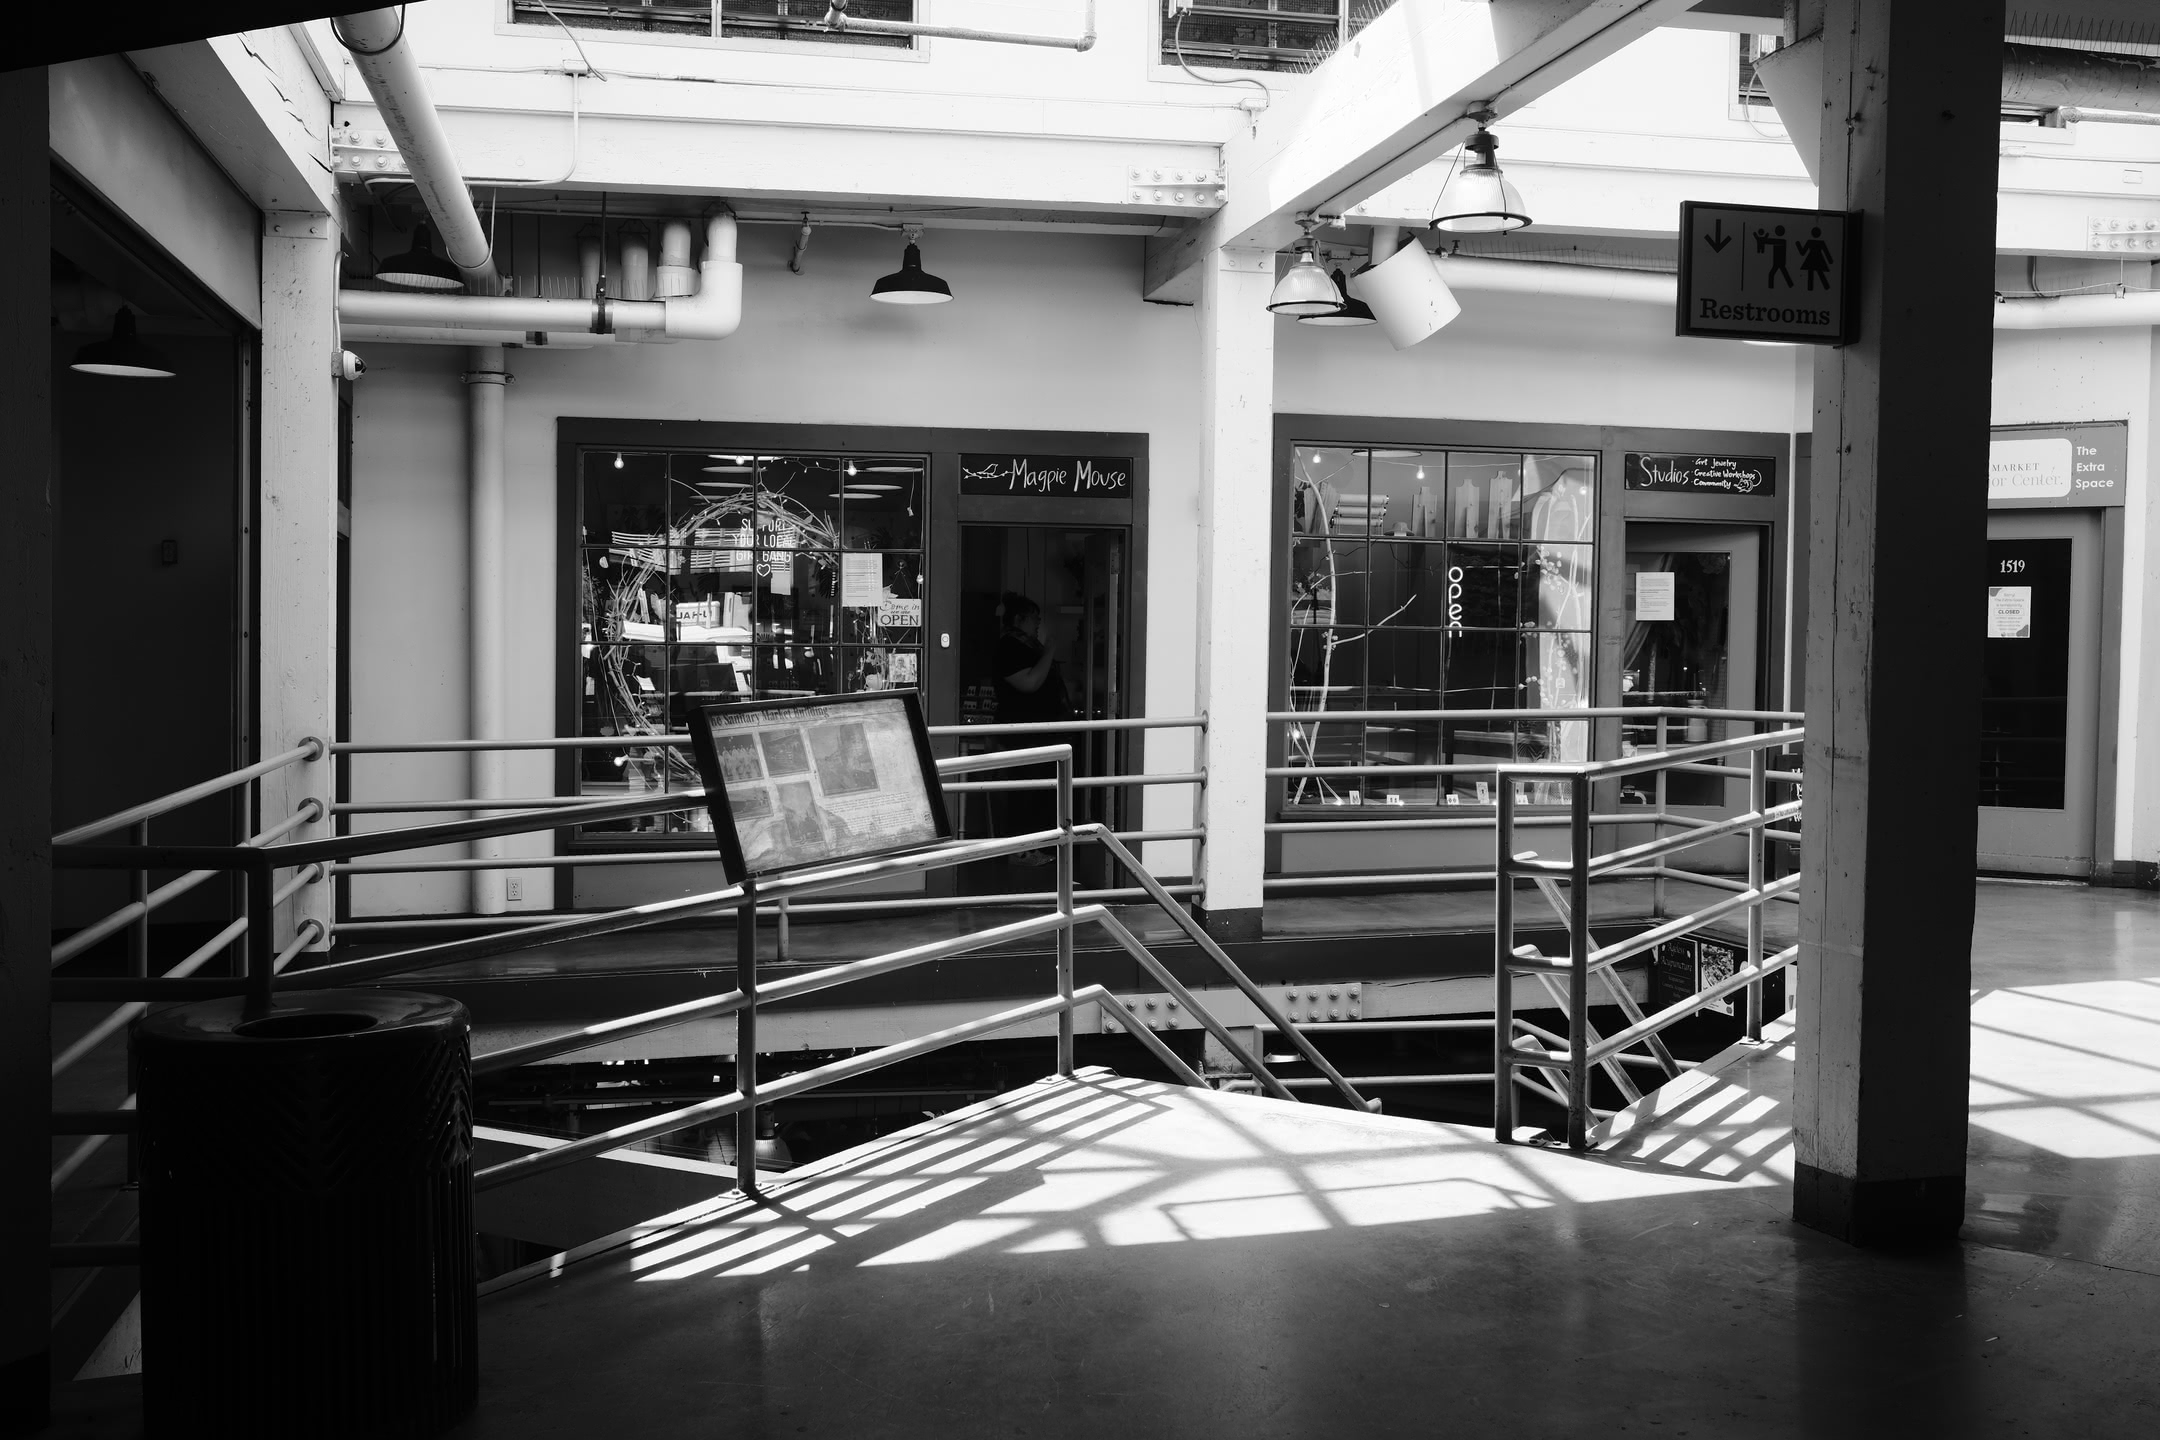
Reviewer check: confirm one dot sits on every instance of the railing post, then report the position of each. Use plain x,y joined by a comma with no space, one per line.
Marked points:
1503,1066
139,932
261,933
1065,908
746,1040
1578,1120
1657,831
782,952
1758,796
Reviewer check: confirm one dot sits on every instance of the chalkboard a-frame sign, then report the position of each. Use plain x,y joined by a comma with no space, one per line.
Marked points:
1069,477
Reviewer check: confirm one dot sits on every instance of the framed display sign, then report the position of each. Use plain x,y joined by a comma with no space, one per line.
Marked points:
797,783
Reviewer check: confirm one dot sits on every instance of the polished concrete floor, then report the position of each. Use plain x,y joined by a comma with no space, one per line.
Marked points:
1109,1256
1112,1257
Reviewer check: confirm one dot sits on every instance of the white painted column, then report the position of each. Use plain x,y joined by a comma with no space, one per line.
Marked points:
296,539
485,381
1237,417
2137,745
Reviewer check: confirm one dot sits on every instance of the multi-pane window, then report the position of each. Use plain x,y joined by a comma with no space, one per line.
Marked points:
1752,49
1436,580
1251,34
708,578
760,19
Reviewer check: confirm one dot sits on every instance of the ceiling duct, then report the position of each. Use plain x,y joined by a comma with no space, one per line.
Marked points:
2035,77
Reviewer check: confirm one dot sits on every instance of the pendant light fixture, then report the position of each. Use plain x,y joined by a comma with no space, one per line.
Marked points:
1352,311
420,268
1305,288
911,284
1477,199
123,355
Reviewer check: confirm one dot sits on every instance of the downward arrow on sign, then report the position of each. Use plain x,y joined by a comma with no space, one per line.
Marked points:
1720,240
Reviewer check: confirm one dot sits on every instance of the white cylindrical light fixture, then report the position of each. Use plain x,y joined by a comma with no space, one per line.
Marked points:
1407,296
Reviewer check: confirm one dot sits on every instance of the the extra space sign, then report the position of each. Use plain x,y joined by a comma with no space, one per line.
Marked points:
1757,272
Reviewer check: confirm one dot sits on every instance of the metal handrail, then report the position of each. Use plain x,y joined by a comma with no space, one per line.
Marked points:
744,1001
308,749
1566,1074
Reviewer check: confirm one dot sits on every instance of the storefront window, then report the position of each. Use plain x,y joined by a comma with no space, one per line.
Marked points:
1436,580
710,578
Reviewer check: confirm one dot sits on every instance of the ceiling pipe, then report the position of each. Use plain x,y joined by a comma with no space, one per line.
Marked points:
376,41
2060,82
1650,287
840,22
713,313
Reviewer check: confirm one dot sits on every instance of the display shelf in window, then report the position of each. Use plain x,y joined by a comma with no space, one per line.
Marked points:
1431,579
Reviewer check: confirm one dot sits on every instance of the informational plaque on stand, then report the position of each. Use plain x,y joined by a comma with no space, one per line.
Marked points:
798,783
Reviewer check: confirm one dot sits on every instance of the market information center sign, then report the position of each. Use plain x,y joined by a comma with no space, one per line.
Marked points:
1080,477
2057,466
1764,273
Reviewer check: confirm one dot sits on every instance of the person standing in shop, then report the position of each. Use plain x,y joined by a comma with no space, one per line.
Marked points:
1030,691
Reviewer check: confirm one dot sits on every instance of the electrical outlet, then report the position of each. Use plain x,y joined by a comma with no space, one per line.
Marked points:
514,889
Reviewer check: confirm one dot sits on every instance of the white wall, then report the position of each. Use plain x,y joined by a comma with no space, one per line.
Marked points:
1045,332
1538,359
2056,376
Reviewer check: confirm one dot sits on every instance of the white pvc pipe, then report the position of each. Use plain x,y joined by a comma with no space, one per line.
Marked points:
376,42
636,265
1577,282
713,313
1647,287
449,335
676,278
2080,312
588,261
486,504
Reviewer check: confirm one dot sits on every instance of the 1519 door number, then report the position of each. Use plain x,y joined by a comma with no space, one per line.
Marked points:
2013,567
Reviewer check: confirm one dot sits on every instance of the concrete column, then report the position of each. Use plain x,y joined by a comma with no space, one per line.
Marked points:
1895,623
485,380
1237,418
26,718
296,534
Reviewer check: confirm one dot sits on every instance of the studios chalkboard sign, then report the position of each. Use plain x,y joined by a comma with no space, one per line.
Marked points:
1703,474
1069,477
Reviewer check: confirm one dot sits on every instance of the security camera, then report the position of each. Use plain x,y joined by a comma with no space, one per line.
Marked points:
350,366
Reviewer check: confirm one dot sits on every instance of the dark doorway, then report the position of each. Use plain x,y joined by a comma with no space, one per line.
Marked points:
1078,578
149,558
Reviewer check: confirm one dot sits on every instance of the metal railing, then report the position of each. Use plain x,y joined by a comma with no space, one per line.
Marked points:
1563,1073
563,813
1301,729
267,973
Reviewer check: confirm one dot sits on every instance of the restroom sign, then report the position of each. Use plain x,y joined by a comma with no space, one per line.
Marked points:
1758,272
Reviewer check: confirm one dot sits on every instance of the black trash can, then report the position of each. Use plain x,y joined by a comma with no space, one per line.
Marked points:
307,1233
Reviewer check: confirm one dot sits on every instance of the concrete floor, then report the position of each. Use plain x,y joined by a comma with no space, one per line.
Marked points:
1109,1256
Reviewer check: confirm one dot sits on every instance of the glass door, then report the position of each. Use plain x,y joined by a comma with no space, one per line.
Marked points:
1694,607
2040,696
1042,639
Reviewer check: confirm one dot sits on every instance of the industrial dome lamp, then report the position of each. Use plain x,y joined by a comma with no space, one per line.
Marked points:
1477,199
123,355
911,284
1305,288
1352,311
420,268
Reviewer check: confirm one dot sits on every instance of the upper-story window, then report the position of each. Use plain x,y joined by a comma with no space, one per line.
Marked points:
1749,90
727,19
1292,35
